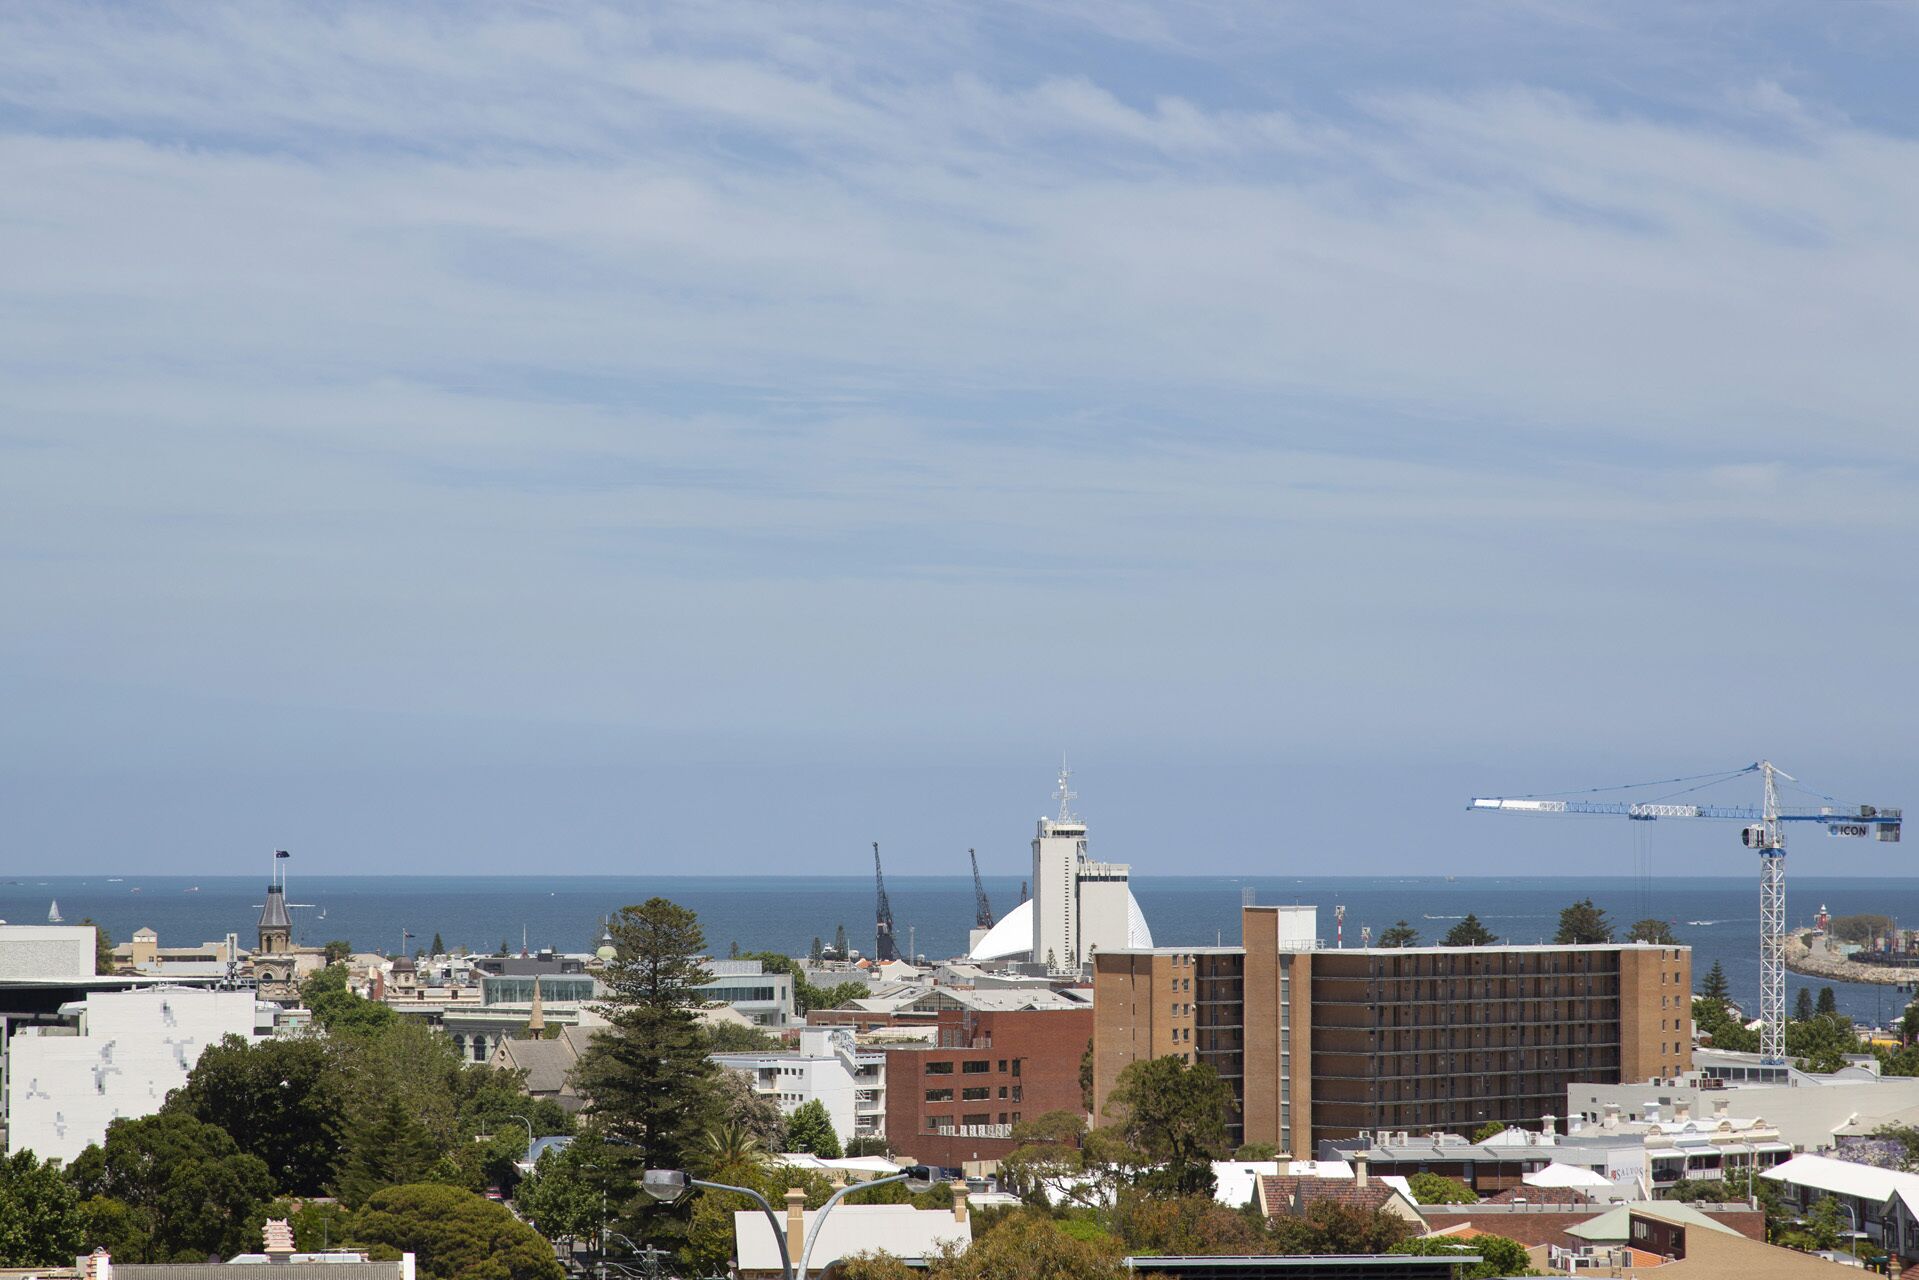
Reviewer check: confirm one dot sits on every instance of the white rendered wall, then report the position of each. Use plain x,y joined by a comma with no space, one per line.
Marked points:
1055,889
46,951
1103,909
63,1090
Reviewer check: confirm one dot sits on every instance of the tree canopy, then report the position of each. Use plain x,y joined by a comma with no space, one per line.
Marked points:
456,1234
1715,986
810,1128
1174,1113
281,1100
178,1188
1433,1188
1583,924
40,1220
1652,930
1400,935
1470,933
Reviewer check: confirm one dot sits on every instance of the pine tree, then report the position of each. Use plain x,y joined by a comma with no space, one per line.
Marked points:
839,942
385,1147
1716,987
733,951
1469,933
816,952
1802,1007
1653,930
1583,924
1828,1002
439,947
647,1077
1400,935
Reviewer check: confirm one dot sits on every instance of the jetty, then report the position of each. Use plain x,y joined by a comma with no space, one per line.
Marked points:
1811,953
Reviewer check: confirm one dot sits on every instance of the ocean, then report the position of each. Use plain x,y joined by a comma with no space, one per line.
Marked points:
1717,916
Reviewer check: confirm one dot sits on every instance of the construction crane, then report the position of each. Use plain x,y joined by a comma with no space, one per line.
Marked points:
884,948
982,909
1764,835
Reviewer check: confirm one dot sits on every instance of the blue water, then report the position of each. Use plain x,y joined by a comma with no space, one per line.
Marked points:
935,912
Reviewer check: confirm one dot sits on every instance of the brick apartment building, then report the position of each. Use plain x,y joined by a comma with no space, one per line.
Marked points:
1326,1044
957,1100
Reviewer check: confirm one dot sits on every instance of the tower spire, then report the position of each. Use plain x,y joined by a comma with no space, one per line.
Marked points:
1064,793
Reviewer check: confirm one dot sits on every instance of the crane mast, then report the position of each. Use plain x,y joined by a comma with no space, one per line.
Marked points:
1765,835
884,947
982,909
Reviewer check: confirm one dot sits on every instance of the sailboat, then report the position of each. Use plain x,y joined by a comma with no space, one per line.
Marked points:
53,913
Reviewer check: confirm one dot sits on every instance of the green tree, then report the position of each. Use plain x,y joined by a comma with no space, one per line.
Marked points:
563,1198
743,1105
1712,1018
439,947
731,1151
1086,1077
648,1081
1583,924
1187,1225
1327,1227
281,1100
1863,929
1174,1113
1652,930
40,1220
1256,1151
1488,1131
1433,1188
385,1147
1715,986
1400,935
456,1235
340,1010
1820,1044
1828,1003
810,1128
103,961
731,1037
1499,1256
186,1188
1470,933
1802,1005
337,951
1029,1247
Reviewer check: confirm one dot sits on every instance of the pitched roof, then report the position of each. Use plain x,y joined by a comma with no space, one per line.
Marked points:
274,914
1283,1193
898,1229
546,1062
1616,1223
1845,1178
1544,1194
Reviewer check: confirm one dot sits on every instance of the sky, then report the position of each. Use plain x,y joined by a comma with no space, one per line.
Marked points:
713,437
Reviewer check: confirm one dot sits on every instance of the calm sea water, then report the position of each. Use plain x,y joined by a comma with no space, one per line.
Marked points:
1718,917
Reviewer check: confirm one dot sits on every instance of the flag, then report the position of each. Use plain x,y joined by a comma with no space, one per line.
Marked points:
281,853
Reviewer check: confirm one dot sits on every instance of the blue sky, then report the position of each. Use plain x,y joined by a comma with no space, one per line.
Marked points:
716,436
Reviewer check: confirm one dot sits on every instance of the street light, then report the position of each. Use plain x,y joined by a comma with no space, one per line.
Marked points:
668,1185
530,1139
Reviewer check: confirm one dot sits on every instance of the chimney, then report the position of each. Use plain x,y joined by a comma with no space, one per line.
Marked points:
1682,1110
1359,1168
1719,1108
959,1200
795,1222
1546,1126
278,1236
1610,1120
95,1266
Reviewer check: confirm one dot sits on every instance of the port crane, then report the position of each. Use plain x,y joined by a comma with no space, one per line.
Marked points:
884,947
982,909
1764,834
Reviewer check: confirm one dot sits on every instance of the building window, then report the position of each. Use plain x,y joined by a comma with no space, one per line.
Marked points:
1002,1091
939,1095
979,1094
939,1068
977,1117
1016,1096
978,1067
1016,1063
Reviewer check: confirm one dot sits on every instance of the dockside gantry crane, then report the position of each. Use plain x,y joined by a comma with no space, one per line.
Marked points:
885,947
982,909
1764,835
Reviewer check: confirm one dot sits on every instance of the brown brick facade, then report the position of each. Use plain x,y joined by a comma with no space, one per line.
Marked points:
951,1103
1326,1044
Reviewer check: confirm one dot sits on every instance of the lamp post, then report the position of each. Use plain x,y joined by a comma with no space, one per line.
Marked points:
812,1237
530,1139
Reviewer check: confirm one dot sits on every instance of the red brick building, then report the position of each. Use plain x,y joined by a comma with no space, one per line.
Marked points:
957,1101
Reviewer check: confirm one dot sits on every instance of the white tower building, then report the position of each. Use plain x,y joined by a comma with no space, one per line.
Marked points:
1079,906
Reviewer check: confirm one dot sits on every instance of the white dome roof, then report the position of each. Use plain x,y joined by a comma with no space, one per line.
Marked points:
1013,935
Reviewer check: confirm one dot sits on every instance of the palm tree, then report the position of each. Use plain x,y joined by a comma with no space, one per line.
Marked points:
731,1148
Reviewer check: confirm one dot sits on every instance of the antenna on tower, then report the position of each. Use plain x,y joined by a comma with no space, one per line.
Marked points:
1064,794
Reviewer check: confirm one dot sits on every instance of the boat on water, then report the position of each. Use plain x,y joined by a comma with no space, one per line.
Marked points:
53,913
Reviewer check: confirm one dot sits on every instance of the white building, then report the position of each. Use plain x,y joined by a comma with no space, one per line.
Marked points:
828,1067
125,1051
1078,906
909,1234
766,999
46,952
